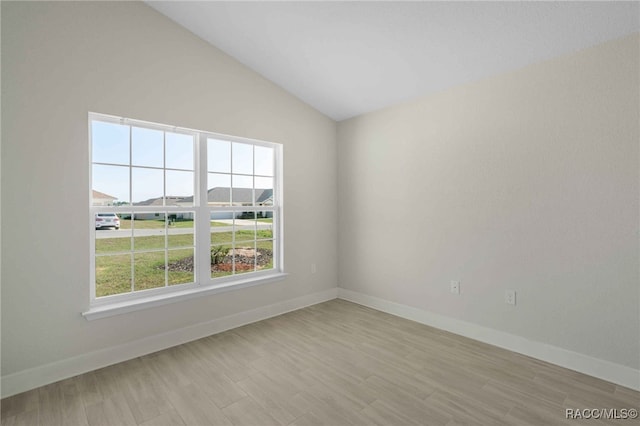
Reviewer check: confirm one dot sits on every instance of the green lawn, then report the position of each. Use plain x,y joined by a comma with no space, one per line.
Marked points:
155,224
218,224
112,245
218,238
113,272
215,223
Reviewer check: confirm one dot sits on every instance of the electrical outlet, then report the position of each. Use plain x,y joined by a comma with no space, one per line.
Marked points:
455,287
510,297
313,268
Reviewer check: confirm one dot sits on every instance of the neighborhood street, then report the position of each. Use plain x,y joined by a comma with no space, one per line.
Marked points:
122,233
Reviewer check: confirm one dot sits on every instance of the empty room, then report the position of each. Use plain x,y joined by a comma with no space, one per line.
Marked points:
320,213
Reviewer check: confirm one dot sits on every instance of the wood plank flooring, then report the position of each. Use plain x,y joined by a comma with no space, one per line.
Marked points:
336,363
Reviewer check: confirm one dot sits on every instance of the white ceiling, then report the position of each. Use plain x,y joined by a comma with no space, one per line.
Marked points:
347,58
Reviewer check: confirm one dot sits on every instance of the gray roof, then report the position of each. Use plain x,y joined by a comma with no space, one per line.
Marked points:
171,201
220,195
240,195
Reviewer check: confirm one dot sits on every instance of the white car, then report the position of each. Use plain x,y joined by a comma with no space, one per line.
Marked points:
107,220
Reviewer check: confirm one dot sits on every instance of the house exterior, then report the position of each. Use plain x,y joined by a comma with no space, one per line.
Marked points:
161,202
101,199
225,197
218,196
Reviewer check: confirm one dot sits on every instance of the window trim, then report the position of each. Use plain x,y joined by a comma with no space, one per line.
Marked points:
204,284
150,301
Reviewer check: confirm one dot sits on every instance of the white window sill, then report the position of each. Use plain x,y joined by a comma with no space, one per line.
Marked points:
123,307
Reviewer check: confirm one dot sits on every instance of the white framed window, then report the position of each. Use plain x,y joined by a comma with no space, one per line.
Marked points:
177,210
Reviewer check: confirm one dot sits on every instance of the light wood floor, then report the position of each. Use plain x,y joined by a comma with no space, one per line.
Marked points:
336,363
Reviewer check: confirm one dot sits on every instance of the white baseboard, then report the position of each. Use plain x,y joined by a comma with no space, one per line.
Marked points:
25,380
606,370
32,378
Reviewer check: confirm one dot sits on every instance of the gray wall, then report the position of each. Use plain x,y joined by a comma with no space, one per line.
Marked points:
527,181
61,60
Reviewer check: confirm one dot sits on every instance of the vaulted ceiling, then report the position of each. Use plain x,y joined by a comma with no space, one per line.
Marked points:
351,57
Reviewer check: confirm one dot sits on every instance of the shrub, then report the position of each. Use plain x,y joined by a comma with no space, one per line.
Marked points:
218,253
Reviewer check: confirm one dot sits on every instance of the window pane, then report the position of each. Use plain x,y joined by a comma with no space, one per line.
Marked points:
221,260
264,226
244,256
263,160
221,234
148,187
147,147
244,226
179,151
180,229
218,156
242,193
221,237
148,270
241,181
179,188
219,193
264,255
110,185
242,158
109,143
181,266
222,219
264,191
109,237
113,275
148,231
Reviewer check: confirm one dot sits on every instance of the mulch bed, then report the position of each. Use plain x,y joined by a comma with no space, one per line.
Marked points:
244,261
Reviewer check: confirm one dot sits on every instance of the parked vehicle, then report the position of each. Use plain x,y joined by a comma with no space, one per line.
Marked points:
107,220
